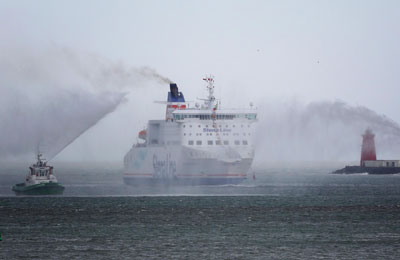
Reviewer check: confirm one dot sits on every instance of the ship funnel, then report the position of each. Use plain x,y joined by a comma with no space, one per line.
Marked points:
173,86
174,95
368,152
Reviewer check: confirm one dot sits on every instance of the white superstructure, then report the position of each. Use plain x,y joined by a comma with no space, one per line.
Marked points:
201,144
40,172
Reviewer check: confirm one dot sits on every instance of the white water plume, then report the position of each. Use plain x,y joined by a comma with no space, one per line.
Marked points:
50,97
323,131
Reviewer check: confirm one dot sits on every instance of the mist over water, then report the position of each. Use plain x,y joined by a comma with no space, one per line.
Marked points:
49,97
322,131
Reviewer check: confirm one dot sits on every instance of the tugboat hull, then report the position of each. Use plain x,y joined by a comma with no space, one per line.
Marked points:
39,189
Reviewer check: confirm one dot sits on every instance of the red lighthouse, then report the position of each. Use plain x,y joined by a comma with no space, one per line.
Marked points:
368,152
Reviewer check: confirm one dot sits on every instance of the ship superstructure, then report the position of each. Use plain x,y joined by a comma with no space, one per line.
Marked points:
194,145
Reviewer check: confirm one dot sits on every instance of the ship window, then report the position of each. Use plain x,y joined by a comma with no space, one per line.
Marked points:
233,126
184,125
218,142
251,116
237,142
244,142
206,126
387,164
199,126
226,142
154,141
184,134
205,117
392,164
190,143
190,134
190,125
210,142
198,142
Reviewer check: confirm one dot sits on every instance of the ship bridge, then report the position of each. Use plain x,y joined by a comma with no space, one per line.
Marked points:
178,110
188,114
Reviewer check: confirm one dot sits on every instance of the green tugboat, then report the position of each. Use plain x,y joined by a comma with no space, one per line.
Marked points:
40,180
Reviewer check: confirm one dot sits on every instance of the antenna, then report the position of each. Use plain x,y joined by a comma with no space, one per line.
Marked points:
209,102
210,87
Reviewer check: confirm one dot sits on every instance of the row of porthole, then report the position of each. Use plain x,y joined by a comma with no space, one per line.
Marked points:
224,134
218,142
227,126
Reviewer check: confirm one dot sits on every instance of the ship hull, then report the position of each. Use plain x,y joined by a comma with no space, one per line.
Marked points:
39,189
182,166
369,170
137,181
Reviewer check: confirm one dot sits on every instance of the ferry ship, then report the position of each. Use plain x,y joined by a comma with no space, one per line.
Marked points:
201,144
40,180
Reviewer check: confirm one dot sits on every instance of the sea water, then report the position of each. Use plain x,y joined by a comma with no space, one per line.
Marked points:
296,213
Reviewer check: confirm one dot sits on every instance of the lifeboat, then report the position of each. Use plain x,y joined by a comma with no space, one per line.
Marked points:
143,134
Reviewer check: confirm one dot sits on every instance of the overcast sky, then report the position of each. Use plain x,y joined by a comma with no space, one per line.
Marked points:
268,50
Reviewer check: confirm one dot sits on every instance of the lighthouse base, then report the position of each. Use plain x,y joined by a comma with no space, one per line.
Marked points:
369,170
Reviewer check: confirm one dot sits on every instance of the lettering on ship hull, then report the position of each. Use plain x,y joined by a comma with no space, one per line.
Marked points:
164,168
206,130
